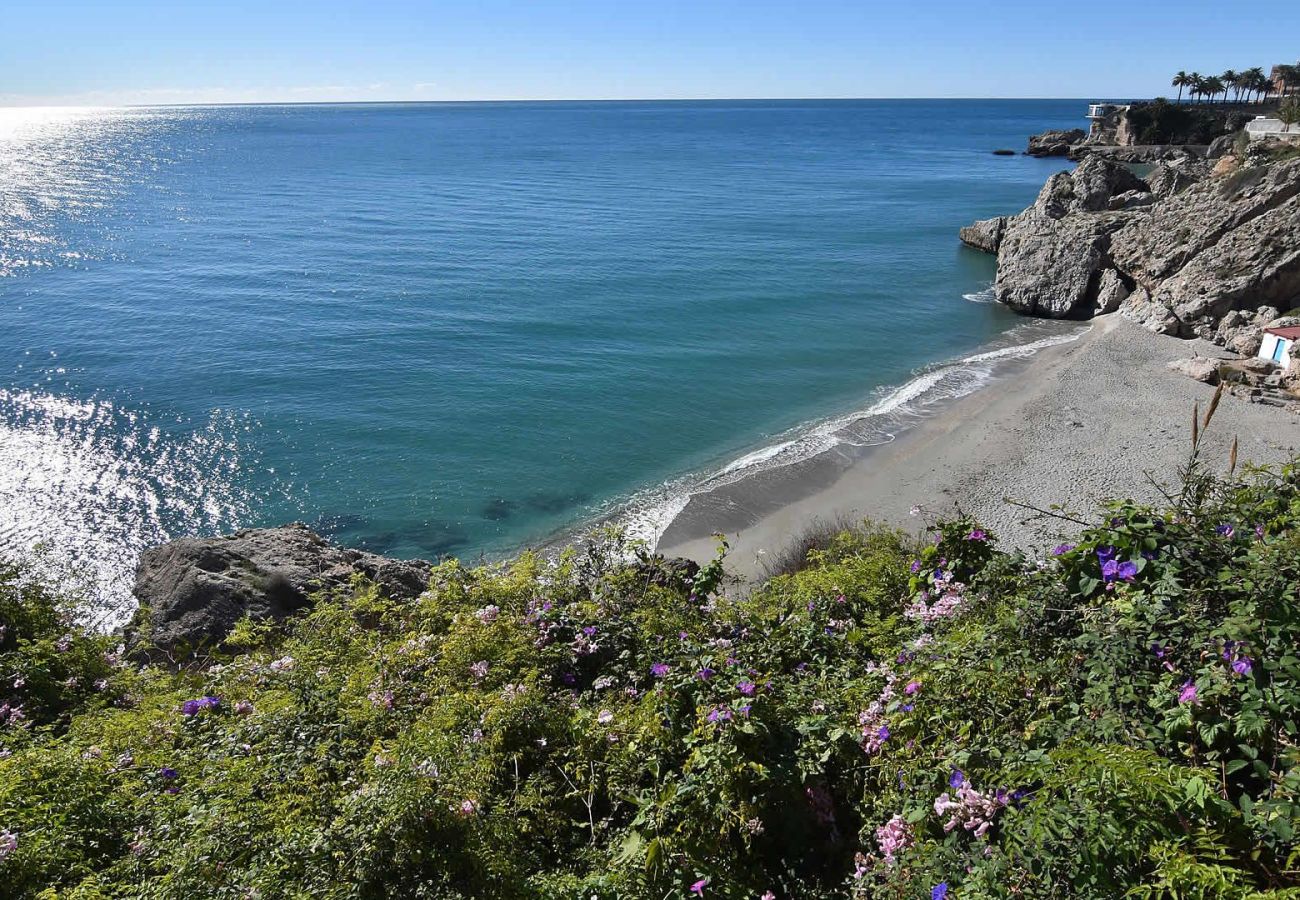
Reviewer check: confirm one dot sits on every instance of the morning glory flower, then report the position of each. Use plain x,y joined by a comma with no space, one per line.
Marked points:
912,687
977,534
956,779
704,674
659,670
1062,549
8,843
190,708
1188,693
168,773
698,888
1127,571
1242,665
939,891
1225,530
747,688
916,566
1105,554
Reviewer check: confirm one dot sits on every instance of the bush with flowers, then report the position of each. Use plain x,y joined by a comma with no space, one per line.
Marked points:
901,718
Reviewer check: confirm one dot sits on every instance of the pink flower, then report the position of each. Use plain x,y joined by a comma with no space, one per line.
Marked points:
893,837
1188,694
468,808
698,888
912,687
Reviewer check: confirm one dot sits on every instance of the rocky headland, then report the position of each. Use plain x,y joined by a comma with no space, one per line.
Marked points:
1193,248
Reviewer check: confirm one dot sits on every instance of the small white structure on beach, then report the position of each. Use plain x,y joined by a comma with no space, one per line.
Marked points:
1277,345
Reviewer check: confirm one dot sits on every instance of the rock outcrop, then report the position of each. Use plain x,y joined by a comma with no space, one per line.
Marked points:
985,235
1055,143
192,591
1179,253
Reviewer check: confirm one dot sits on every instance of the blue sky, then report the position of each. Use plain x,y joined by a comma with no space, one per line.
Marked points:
131,51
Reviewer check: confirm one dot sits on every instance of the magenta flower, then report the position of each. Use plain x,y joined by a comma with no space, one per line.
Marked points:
698,888
912,687
660,670
977,534
1188,694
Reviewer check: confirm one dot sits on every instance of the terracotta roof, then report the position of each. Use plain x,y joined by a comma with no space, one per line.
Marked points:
1291,333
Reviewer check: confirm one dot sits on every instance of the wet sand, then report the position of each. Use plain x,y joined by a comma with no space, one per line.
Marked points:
1075,424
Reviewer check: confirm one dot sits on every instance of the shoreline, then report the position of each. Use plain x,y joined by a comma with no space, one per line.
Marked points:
1076,423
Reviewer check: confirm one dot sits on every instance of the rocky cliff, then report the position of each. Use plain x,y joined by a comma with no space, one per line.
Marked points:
1188,251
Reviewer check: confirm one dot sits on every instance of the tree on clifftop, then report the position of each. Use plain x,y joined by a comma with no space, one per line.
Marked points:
1289,113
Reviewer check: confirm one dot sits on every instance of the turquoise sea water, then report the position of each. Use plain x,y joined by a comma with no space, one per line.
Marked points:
457,328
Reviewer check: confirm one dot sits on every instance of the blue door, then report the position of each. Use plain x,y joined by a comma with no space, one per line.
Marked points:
1277,351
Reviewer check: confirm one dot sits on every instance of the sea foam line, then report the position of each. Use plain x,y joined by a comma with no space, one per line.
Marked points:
647,515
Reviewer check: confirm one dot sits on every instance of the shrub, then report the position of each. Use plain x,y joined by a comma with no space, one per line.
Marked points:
1117,718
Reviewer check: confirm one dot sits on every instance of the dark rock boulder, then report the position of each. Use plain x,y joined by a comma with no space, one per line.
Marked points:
985,235
1055,143
192,591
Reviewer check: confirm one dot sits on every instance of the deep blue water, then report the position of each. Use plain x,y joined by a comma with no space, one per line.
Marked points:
456,328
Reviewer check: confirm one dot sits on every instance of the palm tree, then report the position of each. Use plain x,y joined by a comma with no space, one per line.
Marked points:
1214,87
1251,78
1229,79
1181,80
1197,83
1289,113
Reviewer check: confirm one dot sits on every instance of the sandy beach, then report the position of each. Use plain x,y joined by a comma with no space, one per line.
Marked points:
1077,423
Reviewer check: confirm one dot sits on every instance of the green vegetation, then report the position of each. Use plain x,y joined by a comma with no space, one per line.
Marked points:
1248,86
1162,122
895,719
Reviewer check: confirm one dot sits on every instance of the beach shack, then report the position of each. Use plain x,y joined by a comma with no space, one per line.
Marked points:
1277,345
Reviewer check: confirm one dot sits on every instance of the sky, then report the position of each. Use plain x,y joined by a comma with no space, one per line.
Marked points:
112,52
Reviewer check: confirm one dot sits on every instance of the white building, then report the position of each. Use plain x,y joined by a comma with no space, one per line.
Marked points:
1263,126
1277,345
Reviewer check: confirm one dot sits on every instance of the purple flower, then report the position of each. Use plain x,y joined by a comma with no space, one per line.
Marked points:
660,670
744,710
1148,555
939,891
916,566
190,708
589,631
747,688
168,773
209,702
1127,571
908,707
1062,549
1242,665
1259,532
977,534
704,674
1225,530
1105,554
882,734
912,687
698,888
956,779
1188,694
719,714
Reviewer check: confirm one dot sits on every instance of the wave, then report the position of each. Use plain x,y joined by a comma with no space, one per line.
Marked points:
987,295
647,515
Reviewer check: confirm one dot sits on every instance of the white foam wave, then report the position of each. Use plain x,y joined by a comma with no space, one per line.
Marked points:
987,295
648,515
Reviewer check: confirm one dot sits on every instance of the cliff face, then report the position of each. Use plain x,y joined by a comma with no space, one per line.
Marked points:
1185,252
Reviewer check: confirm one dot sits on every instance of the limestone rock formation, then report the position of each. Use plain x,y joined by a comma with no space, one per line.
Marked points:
192,591
1178,254
985,234
1055,143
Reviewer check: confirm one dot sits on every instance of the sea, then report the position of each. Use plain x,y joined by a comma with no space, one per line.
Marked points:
432,329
